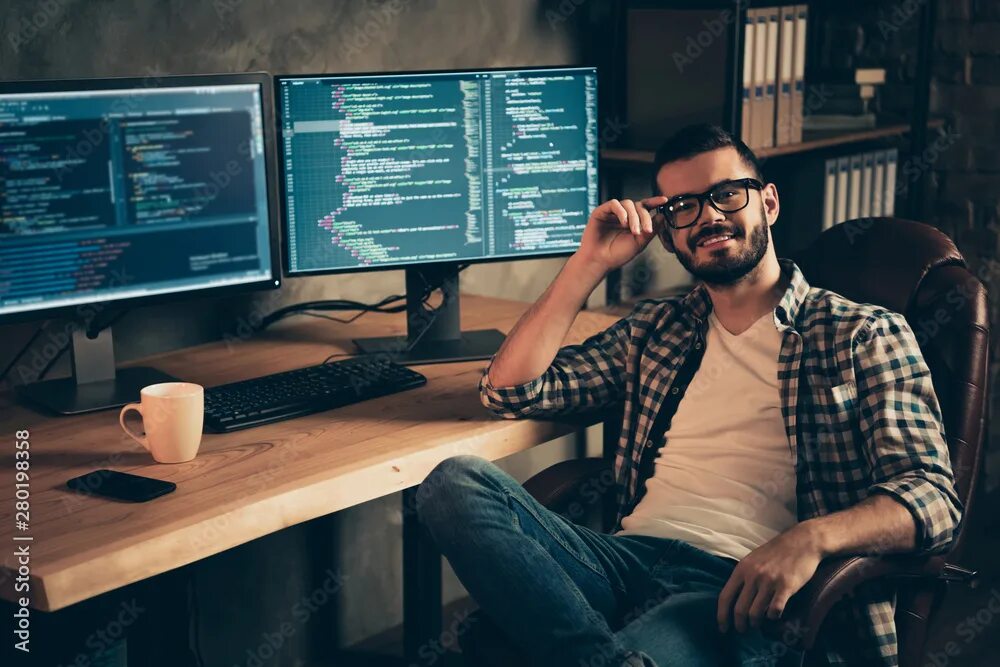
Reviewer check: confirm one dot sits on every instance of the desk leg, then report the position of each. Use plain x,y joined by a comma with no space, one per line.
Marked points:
162,637
421,583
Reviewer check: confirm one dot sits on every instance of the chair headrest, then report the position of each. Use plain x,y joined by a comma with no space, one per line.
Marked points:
876,260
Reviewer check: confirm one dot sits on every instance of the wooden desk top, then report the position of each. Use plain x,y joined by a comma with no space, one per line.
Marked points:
250,483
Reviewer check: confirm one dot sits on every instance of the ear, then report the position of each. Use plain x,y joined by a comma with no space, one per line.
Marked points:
769,196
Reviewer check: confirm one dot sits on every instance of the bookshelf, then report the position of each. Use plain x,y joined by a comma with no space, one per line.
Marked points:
650,91
614,158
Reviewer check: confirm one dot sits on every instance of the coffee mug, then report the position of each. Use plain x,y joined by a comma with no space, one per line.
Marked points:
172,415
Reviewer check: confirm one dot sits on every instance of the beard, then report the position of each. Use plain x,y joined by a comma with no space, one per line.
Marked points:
729,268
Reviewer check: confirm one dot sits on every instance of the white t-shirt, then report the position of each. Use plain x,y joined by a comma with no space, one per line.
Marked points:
724,481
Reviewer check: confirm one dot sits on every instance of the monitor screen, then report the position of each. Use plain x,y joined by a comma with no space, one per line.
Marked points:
116,193
387,170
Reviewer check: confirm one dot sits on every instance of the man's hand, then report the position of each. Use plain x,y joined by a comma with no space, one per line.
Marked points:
767,577
617,231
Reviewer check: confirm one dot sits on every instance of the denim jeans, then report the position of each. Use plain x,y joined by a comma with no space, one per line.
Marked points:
568,595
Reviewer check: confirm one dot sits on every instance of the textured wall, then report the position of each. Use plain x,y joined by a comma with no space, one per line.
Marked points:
965,89
251,590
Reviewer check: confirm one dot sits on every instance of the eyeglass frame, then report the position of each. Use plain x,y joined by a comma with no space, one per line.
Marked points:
747,184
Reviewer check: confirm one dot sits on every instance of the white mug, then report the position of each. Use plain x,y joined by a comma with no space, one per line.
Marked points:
172,415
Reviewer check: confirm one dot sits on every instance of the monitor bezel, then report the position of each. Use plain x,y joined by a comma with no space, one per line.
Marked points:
279,139
86,309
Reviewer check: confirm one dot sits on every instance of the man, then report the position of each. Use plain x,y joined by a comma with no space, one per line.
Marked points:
808,428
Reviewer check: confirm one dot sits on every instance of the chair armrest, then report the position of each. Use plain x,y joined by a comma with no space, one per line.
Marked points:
805,612
582,490
561,483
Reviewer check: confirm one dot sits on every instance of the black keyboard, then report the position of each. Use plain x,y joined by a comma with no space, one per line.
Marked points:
304,391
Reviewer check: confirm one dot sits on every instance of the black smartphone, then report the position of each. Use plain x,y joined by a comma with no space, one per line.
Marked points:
121,485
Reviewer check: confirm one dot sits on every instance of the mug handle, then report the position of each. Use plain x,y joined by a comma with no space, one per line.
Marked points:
141,439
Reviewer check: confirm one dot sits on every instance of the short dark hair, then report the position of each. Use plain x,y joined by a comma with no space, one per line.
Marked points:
697,139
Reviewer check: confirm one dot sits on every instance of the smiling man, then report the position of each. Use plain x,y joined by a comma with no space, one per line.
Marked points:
768,424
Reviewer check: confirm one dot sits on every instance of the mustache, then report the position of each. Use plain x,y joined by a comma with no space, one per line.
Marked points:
735,232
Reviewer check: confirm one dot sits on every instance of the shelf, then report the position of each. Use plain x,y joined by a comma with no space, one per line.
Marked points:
813,141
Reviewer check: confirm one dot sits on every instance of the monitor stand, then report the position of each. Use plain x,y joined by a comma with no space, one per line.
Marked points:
94,385
433,336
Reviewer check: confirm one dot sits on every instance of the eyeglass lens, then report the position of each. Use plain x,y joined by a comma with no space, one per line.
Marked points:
727,197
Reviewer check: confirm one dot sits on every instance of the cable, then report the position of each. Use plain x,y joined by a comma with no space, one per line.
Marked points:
381,306
24,348
333,304
408,348
425,297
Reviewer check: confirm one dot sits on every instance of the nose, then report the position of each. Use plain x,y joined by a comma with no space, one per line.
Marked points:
708,217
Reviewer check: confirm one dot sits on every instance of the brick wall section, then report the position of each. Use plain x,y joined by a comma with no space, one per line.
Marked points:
965,89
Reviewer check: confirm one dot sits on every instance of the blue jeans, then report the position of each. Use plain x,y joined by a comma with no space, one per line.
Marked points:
568,595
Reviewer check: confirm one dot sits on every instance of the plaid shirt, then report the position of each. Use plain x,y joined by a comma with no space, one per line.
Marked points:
857,400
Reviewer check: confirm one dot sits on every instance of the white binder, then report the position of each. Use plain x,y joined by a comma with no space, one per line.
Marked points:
854,193
746,131
867,170
759,76
889,197
878,184
770,76
798,88
829,193
843,170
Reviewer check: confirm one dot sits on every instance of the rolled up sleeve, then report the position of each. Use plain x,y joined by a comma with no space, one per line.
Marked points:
586,376
903,430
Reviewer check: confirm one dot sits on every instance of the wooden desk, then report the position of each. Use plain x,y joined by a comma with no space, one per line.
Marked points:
250,483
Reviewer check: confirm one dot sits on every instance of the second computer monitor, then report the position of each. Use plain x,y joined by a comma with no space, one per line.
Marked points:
396,170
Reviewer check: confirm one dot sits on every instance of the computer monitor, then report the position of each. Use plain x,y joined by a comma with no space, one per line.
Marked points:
124,192
427,171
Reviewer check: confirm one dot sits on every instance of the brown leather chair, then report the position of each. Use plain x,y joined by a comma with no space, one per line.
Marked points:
913,269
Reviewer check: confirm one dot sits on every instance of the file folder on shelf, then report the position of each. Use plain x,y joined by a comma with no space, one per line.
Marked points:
867,167
829,193
843,172
771,14
878,184
786,80
889,196
799,72
746,125
854,189
757,115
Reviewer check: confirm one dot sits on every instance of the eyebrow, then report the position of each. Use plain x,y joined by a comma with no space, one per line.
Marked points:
708,189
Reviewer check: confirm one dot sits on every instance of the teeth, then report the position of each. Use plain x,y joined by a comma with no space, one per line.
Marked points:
712,239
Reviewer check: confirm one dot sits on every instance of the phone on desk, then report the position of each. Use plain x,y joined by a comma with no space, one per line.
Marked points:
120,485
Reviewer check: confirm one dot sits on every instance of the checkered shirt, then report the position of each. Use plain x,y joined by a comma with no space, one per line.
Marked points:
857,400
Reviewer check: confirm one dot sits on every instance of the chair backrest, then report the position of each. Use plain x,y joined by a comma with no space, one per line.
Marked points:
916,270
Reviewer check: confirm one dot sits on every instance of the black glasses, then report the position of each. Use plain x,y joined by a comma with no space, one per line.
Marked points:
726,197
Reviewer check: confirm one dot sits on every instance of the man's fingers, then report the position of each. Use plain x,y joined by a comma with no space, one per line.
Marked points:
633,216
760,605
617,210
778,603
645,221
726,597
741,610
653,202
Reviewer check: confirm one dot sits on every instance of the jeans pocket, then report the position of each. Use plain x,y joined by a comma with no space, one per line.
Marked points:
559,533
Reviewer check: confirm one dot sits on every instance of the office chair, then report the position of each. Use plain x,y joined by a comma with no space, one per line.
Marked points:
913,269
